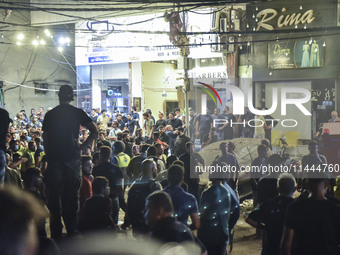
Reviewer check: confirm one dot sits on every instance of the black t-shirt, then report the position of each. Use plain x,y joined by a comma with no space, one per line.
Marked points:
130,124
257,171
191,177
160,123
121,125
137,195
205,122
175,123
112,172
271,213
4,123
97,214
170,230
62,124
316,225
180,144
229,131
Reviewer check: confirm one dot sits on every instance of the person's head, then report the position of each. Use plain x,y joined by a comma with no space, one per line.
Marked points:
32,111
135,150
169,128
191,112
180,131
178,162
224,148
189,147
160,115
105,153
313,147
226,109
144,148
65,95
231,147
95,158
266,142
119,117
103,112
149,168
155,135
20,116
334,115
133,109
149,111
171,115
146,115
100,186
128,116
119,147
158,206
177,111
64,90
14,145
318,186
19,219
275,160
126,137
286,184
102,135
217,111
161,129
93,112
86,165
175,175
32,178
262,150
171,159
152,151
159,150
139,132
32,146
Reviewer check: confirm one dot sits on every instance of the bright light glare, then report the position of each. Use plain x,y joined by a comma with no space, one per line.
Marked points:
20,36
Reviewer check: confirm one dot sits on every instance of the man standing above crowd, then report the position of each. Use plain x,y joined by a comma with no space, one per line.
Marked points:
220,124
149,126
62,177
204,123
131,125
135,115
103,119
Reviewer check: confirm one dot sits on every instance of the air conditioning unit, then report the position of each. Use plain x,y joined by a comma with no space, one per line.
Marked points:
215,46
223,43
215,21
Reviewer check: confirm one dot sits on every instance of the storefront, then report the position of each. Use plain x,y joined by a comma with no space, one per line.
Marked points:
293,46
135,64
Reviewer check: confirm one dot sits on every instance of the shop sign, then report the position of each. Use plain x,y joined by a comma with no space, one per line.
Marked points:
296,54
283,20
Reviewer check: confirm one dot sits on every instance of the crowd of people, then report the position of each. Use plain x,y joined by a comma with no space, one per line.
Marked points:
84,170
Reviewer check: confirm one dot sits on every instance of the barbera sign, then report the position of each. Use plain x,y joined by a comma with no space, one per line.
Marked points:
282,19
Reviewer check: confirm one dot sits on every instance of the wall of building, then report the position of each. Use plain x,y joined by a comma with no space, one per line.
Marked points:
156,78
26,64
